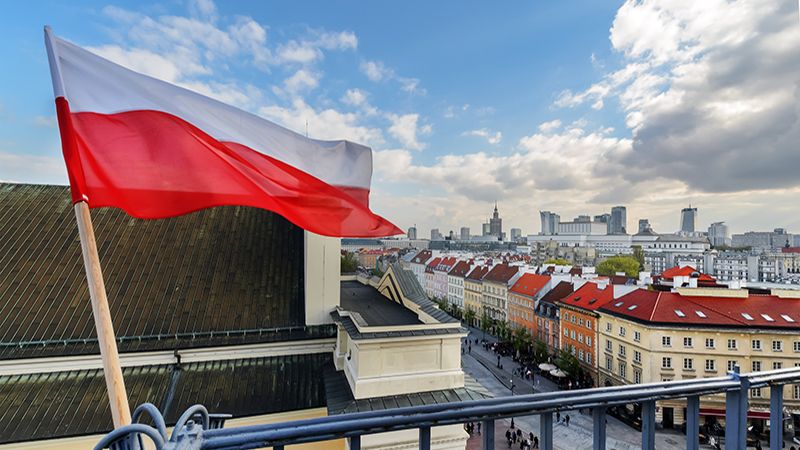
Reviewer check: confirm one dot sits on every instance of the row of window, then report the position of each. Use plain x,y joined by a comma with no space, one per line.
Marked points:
578,320
710,343
578,336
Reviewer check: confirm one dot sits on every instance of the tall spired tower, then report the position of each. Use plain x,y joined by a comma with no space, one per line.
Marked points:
496,223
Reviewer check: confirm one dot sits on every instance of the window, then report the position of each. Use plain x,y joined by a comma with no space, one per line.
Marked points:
756,344
572,319
609,346
572,334
588,358
777,346
622,351
637,376
731,366
589,340
580,321
709,343
688,364
755,392
580,355
637,336
731,344
666,341
666,362
622,331
711,365
608,327
609,363
796,346
566,332
687,342
588,324
637,356
580,338
777,365
796,392
756,366
622,367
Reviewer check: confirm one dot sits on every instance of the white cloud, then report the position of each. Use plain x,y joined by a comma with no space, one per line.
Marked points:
323,124
302,80
490,136
45,121
20,168
310,50
355,97
376,71
405,128
547,127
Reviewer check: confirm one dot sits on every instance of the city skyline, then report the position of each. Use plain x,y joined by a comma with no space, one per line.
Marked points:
577,127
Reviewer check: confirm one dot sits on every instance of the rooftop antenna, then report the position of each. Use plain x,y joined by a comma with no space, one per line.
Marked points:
306,127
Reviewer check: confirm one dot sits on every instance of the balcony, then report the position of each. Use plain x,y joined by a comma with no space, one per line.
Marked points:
197,429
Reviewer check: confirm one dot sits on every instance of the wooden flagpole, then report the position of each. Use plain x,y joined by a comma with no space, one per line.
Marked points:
115,384
112,369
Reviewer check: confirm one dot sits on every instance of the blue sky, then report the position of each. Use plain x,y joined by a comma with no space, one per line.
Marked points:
567,106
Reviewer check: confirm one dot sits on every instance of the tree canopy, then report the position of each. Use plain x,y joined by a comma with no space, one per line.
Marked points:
349,263
620,263
557,261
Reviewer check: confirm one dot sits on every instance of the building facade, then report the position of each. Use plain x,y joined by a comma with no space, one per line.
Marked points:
547,315
473,291
495,285
688,220
618,222
718,234
455,283
649,336
550,221
523,297
496,224
578,322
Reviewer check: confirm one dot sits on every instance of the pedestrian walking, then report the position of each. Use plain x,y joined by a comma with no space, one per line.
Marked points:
558,417
479,428
535,442
566,420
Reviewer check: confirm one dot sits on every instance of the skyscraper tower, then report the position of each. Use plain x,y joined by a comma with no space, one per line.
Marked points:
618,223
412,232
688,219
496,223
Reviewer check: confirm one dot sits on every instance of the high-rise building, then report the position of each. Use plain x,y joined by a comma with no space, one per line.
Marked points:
485,230
496,224
583,218
516,233
688,219
619,220
550,222
718,234
412,233
606,219
435,235
464,233
644,226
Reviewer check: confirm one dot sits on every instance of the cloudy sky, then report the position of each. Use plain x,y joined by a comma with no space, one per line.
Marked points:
566,106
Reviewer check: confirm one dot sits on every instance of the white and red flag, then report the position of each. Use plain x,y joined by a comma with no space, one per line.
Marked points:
158,150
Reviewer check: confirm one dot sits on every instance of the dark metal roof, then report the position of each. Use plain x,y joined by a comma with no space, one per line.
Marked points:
216,270
413,291
62,404
340,399
375,308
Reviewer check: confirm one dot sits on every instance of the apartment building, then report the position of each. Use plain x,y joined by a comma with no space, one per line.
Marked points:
473,291
578,322
649,336
455,282
547,315
495,285
523,298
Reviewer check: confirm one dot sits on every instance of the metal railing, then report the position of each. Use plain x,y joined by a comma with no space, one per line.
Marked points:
189,435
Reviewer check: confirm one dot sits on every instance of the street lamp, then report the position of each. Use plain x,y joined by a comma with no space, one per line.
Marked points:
512,386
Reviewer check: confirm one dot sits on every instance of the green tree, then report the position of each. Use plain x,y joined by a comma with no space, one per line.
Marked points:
486,324
557,261
568,362
377,272
521,339
469,316
349,263
638,255
620,263
502,330
540,352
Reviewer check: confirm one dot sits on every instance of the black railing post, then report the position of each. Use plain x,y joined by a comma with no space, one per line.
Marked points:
693,423
649,425
425,438
776,416
488,435
599,428
355,443
546,430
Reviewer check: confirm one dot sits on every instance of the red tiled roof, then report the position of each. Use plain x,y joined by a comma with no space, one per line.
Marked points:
422,257
432,264
478,273
790,249
684,271
575,270
590,297
562,289
445,264
672,307
529,284
460,269
501,273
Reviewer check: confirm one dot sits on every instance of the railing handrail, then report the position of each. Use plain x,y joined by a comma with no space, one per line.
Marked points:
345,425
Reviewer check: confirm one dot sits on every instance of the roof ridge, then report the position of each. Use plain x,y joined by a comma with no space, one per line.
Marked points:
655,305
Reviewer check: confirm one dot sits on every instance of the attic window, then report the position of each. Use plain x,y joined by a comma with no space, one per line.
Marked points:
618,304
593,301
767,318
679,313
701,314
787,318
576,299
747,316
632,307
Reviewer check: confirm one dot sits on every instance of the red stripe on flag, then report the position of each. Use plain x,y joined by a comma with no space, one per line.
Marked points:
154,165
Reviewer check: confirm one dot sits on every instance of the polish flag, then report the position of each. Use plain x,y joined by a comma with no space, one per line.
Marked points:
158,150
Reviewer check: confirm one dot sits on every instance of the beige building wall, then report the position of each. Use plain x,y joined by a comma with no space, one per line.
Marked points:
494,299
707,354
